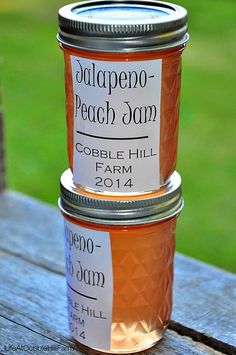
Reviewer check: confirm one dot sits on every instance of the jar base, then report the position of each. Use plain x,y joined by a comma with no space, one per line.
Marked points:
127,350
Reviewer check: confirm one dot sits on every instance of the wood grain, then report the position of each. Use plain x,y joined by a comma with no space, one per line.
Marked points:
32,230
33,313
15,335
2,157
204,296
205,299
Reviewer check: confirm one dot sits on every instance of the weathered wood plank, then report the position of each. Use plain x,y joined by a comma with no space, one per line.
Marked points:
199,293
25,221
33,313
14,336
208,296
17,339
2,157
33,296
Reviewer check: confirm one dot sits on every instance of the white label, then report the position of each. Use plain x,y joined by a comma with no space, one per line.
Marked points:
117,124
89,285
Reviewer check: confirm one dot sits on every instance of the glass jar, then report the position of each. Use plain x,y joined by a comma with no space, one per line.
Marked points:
122,80
119,266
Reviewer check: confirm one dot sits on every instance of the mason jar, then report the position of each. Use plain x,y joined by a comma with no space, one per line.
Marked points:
122,83
119,257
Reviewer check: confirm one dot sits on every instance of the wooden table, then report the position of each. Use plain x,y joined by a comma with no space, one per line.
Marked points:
32,294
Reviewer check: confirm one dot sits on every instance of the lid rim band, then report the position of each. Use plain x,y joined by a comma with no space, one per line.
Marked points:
82,32
106,210
174,212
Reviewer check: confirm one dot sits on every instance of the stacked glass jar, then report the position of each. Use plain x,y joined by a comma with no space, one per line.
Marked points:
121,196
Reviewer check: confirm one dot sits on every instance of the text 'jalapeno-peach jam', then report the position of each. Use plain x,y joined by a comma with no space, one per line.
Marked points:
122,78
119,257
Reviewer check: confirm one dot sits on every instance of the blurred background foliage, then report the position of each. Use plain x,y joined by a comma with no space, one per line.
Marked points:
33,100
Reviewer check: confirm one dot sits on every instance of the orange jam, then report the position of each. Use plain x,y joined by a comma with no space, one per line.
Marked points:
170,101
142,265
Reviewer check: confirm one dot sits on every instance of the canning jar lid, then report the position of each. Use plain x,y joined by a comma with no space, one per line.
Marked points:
159,206
122,25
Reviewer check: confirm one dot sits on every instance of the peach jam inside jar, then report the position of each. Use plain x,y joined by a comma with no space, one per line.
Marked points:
119,266
122,80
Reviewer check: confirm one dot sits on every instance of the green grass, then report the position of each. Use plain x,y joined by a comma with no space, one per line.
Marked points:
33,101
